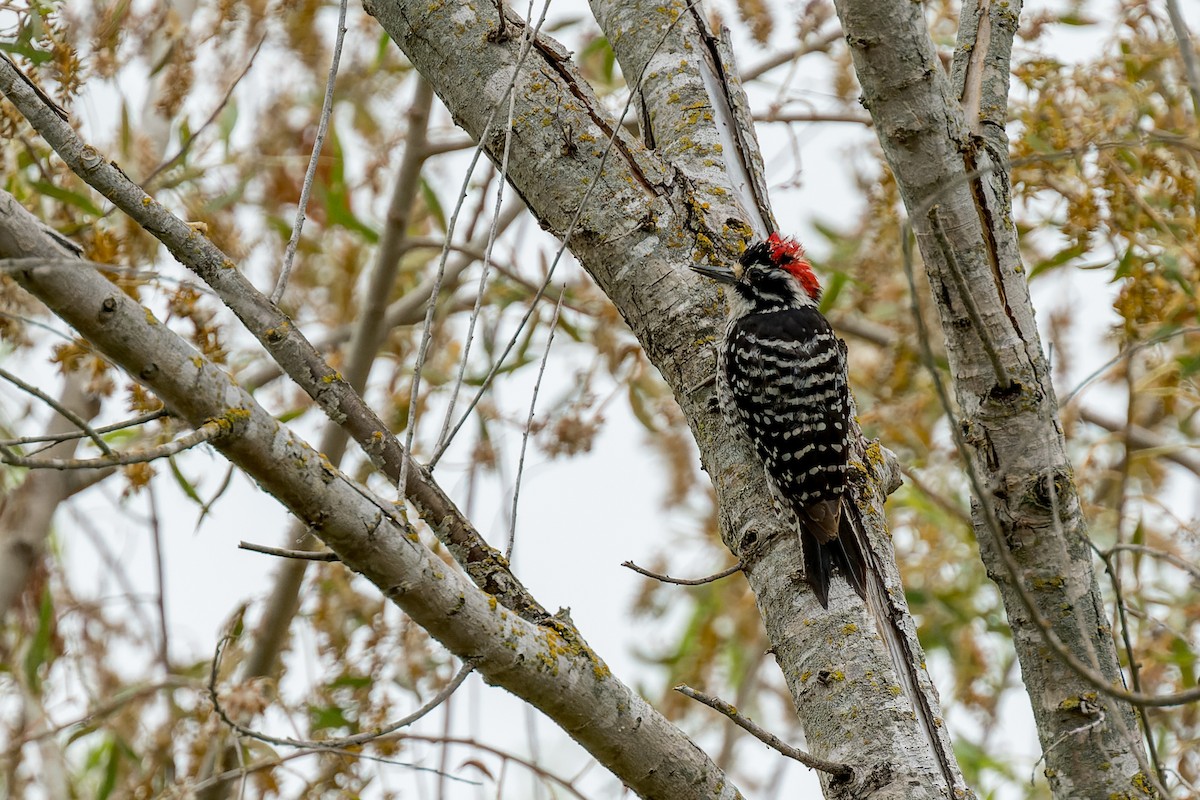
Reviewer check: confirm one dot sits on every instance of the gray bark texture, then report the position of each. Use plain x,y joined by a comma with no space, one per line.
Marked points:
548,665
636,214
944,139
648,214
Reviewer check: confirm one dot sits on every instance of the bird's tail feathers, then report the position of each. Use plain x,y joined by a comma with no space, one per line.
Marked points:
821,555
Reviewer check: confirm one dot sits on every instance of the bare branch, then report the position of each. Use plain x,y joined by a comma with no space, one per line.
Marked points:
311,174
303,555
276,332
1045,627
61,409
537,385
205,433
725,573
325,744
372,539
841,772
63,437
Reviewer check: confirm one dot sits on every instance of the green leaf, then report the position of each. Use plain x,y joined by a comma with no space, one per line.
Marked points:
1057,260
77,199
184,483
833,287
351,681
40,651
433,204
112,763
327,717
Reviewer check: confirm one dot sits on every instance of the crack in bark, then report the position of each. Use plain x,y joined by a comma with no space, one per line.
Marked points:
986,222
555,58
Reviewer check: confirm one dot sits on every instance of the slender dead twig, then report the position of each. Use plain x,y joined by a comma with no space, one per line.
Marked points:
311,174
725,573
838,771
205,433
1183,564
512,521
62,410
249,769
328,744
300,555
54,438
565,242
567,785
427,331
968,300
184,147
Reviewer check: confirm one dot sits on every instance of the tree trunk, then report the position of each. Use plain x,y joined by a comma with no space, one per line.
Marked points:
636,218
947,150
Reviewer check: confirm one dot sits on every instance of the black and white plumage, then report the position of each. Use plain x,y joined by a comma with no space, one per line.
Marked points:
781,380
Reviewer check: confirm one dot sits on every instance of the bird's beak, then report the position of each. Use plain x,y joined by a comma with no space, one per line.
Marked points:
721,274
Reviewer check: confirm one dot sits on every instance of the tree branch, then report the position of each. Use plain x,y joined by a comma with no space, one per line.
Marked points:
547,665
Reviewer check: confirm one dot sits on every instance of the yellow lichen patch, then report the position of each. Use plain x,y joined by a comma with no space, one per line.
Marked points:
1143,784
849,629
1073,703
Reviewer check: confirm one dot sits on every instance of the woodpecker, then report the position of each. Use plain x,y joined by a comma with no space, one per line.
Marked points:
781,381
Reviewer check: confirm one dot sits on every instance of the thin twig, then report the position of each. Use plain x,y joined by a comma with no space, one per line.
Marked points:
1121,356
485,385
299,555
160,581
725,573
1154,552
70,415
840,772
54,438
485,267
328,744
813,116
512,521
943,502
205,433
427,332
1085,707
968,300
1141,439
186,146
311,174
541,772
778,60
119,700
275,331
249,769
